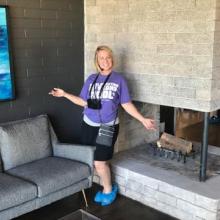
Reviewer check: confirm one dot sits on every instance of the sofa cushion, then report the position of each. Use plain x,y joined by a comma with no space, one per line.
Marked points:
24,141
52,174
15,191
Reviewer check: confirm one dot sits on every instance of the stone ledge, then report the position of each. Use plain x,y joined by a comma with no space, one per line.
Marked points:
166,190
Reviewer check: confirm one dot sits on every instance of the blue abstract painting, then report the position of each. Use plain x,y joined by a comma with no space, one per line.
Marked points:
6,81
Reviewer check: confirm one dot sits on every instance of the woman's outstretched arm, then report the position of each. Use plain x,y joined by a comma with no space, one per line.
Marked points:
61,93
132,110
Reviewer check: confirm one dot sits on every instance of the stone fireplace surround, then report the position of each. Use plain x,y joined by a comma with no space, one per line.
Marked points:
169,53
166,190
167,50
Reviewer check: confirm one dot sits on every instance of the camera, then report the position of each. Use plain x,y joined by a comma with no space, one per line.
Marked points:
94,103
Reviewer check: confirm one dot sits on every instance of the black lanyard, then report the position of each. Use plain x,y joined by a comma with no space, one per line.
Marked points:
101,90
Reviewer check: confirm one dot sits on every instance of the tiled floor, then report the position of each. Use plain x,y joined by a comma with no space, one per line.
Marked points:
122,209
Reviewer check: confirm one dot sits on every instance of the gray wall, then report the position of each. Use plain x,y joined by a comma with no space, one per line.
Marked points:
47,46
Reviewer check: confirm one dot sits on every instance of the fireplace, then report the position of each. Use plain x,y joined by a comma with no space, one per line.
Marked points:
168,58
169,53
190,125
167,185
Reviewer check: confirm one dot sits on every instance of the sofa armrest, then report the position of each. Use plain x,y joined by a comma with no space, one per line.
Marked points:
81,153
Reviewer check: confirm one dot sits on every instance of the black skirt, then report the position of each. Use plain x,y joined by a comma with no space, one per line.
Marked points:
88,137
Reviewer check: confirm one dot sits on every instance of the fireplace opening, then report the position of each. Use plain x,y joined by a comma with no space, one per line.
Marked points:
193,126
188,124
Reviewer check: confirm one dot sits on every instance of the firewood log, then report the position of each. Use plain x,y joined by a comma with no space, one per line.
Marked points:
174,143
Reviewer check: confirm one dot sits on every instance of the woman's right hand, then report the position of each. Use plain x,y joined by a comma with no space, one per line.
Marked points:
57,92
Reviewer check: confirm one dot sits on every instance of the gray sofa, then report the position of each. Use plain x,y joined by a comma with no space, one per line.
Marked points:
36,169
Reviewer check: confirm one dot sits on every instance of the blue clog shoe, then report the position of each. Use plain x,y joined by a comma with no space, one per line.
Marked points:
98,196
106,198
109,198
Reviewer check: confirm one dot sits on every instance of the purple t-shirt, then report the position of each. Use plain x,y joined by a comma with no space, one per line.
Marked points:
115,92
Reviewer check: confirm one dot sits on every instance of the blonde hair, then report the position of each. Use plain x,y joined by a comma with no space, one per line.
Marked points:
105,48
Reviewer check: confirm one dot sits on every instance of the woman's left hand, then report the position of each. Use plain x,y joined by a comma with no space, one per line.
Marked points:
149,123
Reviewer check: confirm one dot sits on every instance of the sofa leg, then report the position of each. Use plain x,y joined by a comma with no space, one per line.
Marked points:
84,196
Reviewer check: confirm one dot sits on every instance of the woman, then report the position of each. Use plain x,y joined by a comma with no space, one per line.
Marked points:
100,96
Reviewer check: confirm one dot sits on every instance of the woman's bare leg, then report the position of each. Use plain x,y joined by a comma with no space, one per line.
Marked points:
103,170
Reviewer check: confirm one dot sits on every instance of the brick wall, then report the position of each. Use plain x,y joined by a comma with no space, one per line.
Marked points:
47,47
168,50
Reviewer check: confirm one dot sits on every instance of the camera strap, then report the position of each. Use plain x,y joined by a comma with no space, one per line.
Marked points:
101,90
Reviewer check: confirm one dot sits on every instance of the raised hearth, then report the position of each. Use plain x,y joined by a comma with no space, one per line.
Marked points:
172,189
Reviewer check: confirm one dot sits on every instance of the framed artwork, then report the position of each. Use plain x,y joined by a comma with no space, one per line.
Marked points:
6,70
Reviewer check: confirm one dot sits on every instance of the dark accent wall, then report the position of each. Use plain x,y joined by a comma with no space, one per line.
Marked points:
47,45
